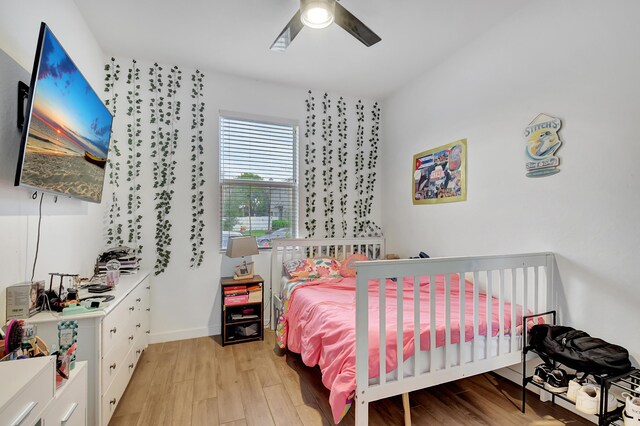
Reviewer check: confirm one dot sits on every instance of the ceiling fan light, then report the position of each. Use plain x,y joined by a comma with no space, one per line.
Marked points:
317,13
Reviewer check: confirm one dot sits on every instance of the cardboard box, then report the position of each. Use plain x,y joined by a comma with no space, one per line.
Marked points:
22,299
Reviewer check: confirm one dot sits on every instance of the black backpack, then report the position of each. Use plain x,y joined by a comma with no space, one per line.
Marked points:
576,349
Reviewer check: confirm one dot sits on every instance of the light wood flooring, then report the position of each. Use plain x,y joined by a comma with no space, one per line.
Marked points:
198,382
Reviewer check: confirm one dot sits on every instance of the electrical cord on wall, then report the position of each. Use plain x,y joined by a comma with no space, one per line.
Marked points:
35,259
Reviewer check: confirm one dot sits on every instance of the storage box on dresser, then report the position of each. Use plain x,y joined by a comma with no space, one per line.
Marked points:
111,340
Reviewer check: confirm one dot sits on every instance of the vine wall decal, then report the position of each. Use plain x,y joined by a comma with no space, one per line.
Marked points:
114,229
343,157
134,203
152,122
373,159
359,174
327,164
343,175
310,168
164,165
197,170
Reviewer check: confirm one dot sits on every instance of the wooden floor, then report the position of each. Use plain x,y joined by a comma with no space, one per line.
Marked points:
198,382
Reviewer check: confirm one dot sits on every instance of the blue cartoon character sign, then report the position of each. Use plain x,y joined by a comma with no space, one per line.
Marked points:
542,143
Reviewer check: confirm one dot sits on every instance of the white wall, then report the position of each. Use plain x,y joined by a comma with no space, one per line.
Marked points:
71,229
580,61
186,302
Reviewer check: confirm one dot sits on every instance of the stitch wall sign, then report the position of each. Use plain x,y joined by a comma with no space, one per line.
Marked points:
542,143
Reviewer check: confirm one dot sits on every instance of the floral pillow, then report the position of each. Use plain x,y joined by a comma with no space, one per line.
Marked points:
324,267
297,268
348,266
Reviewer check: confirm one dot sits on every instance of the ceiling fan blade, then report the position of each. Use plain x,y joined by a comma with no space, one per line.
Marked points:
355,27
288,33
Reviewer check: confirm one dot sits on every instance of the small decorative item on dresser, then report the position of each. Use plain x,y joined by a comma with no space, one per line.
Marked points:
242,309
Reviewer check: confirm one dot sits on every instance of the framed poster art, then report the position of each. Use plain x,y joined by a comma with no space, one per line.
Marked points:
440,174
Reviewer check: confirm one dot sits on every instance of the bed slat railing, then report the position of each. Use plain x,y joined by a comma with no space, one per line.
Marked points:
285,249
498,278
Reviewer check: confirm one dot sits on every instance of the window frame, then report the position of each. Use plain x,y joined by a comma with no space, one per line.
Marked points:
294,186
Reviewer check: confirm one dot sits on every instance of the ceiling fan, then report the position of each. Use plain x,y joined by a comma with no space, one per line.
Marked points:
321,14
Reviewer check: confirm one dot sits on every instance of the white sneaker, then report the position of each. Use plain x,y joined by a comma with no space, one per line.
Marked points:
588,399
630,421
572,392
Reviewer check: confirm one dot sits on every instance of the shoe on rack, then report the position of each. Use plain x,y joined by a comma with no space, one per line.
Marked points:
557,381
541,373
572,392
588,399
629,420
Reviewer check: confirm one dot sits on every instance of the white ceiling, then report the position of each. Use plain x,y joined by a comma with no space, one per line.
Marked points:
233,37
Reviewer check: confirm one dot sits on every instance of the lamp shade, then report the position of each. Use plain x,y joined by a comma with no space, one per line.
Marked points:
242,246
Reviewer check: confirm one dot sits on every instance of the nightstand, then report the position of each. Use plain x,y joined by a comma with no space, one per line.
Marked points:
242,309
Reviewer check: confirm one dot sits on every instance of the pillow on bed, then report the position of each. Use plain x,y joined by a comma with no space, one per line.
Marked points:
297,268
348,266
324,267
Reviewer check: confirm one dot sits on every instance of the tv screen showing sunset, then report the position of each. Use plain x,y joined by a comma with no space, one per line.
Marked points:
69,128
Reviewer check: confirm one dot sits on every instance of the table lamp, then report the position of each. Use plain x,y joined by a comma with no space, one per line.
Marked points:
241,247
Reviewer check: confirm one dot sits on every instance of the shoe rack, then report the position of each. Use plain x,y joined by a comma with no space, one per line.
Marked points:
626,382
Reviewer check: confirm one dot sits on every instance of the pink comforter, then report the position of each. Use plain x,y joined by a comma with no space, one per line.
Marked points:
320,326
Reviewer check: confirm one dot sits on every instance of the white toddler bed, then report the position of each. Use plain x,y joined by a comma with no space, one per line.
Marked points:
495,281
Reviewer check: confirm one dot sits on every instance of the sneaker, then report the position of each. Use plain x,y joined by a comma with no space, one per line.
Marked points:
557,381
629,420
588,399
572,392
541,373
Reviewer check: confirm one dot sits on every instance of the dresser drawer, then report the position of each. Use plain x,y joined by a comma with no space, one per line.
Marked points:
116,359
69,407
111,398
25,408
116,324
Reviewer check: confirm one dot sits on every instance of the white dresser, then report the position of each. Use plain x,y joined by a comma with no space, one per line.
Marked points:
29,396
111,340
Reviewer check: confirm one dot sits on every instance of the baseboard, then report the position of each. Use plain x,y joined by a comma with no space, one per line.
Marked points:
514,374
190,333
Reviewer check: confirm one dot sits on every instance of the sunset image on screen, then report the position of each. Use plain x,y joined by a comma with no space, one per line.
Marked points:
69,129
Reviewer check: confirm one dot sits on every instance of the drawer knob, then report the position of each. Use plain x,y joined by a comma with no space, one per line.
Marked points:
113,401
148,287
148,331
138,299
131,308
138,352
112,366
148,309
131,337
113,330
131,365
138,325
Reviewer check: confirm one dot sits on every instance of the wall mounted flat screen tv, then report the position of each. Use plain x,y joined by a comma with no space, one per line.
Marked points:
67,128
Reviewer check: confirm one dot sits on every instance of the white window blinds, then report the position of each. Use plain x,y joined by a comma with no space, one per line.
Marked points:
258,179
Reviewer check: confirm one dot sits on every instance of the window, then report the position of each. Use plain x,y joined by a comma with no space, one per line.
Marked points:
258,179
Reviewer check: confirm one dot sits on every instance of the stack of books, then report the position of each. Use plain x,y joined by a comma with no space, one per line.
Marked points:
235,295
255,294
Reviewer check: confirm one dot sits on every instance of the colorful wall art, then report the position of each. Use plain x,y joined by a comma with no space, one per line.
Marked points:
439,174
